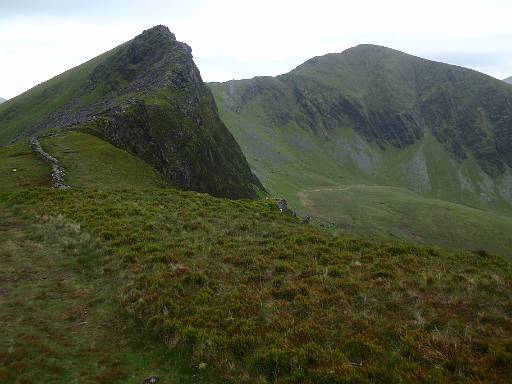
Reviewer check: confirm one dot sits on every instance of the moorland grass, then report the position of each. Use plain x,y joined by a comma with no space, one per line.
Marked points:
94,163
262,298
20,168
60,320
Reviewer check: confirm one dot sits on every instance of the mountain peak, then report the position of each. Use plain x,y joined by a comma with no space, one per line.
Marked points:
158,31
145,96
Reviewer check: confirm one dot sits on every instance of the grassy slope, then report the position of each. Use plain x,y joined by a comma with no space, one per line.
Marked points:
93,163
290,157
399,213
60,321
233,285
30,171
257,295
30,107
290,162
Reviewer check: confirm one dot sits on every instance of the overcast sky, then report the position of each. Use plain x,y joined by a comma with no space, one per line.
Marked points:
234,39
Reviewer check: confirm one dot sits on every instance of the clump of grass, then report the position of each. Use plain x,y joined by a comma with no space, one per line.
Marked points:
250,291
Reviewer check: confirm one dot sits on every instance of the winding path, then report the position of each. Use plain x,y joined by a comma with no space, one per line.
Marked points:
307,203
58,173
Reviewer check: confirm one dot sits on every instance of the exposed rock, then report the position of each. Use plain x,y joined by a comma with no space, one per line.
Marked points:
306,219
151,380
282,204
58,173
147,97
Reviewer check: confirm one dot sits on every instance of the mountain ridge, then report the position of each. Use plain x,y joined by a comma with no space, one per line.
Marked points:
373,116
508,80
145,96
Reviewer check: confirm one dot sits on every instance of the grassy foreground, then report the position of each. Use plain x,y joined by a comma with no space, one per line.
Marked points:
60,321
237,286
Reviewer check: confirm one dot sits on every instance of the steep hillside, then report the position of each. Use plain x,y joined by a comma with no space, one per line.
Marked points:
145,96
375,116
508,80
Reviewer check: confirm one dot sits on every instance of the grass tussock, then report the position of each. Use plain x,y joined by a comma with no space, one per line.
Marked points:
243,288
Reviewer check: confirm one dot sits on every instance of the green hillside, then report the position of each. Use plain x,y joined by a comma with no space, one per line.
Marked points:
92,163
193,288
378,117
240,292
127,276
145,96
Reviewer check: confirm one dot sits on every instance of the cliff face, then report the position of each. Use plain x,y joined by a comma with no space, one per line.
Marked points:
145,96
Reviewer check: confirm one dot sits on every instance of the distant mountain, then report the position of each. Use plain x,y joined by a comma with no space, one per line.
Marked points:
145,96
508,80
376,116
2,100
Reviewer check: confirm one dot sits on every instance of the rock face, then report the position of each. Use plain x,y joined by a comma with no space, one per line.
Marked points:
145,96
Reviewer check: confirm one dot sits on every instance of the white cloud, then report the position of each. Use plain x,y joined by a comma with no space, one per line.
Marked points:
240,39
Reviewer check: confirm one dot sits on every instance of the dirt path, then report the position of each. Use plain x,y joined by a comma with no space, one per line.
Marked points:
307,203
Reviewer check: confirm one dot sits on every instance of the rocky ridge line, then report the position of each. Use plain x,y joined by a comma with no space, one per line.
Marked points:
58,172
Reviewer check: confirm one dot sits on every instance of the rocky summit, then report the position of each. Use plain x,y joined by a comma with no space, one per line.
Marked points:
145,96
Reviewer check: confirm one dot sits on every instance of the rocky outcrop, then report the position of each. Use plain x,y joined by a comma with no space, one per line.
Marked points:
147,97
57,175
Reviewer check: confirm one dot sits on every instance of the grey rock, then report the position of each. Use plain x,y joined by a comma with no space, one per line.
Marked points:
282,204
151,380
306,219
58,173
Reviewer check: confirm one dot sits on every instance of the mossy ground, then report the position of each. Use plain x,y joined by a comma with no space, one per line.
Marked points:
261,297
20,168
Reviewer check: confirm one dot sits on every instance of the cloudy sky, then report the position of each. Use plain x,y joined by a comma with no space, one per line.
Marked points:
234,39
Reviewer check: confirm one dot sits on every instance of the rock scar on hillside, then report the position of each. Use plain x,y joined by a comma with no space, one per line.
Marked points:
58,173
